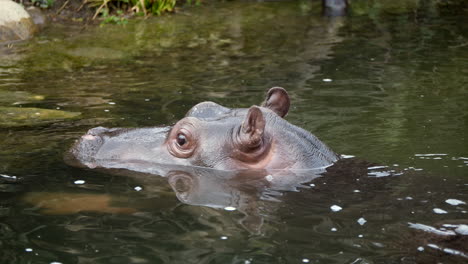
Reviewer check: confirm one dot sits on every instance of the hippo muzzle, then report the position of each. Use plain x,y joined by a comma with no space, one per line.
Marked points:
108,147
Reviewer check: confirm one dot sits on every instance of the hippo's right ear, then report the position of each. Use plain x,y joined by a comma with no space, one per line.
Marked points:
277,100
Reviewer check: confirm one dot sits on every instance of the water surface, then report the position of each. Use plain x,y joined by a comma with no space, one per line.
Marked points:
387,84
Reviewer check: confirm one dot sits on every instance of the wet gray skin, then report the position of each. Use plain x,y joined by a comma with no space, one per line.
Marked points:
210,136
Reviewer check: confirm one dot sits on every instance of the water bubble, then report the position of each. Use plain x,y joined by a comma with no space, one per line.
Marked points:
79,182
305,260
269,178
327,80
360,236
333,229
138,188
356,191
420,249
224,237
28,249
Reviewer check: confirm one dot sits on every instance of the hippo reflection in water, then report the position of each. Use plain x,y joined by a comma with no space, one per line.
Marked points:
210,136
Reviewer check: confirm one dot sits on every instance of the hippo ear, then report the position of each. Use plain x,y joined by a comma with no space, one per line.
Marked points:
277,100
253,126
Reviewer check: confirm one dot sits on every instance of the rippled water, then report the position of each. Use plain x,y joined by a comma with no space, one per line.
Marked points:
387,84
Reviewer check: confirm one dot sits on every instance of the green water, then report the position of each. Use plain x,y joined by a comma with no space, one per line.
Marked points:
387,84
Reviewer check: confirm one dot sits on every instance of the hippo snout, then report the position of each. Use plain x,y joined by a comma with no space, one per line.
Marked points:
84,151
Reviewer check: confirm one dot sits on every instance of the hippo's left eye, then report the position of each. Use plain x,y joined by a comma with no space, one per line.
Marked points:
181,139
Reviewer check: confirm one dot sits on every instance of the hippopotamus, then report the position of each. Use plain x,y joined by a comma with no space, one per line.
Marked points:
211,136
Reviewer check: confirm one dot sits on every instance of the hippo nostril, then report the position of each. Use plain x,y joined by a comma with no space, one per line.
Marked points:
97,131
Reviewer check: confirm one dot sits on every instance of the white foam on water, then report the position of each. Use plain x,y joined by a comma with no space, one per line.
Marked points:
431,229
454,202
439,211
336,208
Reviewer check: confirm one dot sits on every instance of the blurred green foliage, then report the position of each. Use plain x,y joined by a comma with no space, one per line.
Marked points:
43,3
140,7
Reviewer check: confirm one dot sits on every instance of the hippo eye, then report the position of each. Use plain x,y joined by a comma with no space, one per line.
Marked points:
181,139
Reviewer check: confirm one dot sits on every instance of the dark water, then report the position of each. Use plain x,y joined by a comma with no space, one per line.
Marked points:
387,84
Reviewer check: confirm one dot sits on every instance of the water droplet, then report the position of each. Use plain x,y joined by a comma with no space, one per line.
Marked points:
224,237
360,236
28,249
420,249
138,188
305,260
333,229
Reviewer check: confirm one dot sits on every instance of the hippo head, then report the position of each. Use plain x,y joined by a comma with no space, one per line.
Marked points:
212,136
